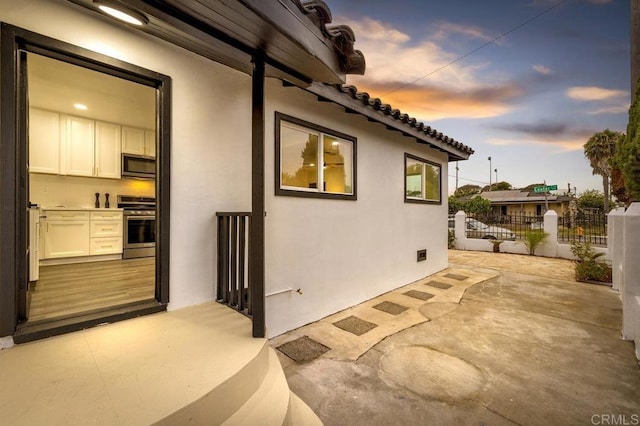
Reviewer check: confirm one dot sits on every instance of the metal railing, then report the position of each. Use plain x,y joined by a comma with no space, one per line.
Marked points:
233,287
583,226
503,227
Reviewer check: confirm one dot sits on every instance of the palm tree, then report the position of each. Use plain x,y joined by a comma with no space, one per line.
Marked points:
600,149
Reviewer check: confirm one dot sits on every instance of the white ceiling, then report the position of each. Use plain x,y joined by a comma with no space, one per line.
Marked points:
57,85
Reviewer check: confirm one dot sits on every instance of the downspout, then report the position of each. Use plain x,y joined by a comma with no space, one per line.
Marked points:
256,230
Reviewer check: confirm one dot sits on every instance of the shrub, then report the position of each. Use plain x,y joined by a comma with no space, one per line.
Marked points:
588,267
532,239
452,239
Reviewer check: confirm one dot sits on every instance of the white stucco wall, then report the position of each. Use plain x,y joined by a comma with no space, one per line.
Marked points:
342,252
210,134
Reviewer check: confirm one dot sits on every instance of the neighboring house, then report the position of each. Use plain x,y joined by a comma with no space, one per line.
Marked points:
342,189
514,202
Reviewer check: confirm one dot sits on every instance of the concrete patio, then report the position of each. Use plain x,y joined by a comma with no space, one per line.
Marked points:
514,342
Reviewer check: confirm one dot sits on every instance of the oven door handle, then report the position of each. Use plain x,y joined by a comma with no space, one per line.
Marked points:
140,217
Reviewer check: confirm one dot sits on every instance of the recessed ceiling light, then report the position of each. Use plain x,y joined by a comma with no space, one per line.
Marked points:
82,107
122,13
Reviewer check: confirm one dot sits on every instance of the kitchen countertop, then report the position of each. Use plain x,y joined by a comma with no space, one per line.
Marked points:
81,208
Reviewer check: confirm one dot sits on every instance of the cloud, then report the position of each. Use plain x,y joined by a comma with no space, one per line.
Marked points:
542,69
460,89
615,109
445,29
554,133
593,93
431,102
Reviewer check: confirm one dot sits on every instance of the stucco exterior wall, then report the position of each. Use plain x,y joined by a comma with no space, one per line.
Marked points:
342,252
210,135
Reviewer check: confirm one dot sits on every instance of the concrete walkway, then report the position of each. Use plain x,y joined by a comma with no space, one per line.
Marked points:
491,346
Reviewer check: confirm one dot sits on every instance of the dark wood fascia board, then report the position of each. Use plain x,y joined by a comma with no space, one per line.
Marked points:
300,31
330,92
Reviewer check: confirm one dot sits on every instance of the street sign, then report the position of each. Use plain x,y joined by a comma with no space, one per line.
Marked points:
545,188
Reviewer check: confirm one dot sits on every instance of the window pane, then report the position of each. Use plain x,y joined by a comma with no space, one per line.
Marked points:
432,182
299,151
414,179
338,160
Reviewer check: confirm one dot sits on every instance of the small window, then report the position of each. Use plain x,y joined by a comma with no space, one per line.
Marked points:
422,181
312,161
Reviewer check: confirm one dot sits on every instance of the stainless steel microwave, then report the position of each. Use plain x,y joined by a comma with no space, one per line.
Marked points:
138,166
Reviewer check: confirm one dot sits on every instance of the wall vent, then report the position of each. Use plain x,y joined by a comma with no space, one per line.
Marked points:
422,255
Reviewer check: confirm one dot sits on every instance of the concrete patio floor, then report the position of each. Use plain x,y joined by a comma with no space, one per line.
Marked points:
516,342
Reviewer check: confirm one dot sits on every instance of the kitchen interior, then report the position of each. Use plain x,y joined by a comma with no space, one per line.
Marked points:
92,186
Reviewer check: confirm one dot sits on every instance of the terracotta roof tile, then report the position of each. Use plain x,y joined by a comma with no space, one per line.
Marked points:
405,119
341,36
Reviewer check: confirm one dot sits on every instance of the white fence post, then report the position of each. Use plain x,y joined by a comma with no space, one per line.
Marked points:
461,230
550,248
631,277
615,244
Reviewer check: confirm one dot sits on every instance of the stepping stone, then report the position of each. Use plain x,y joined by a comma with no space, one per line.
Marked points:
303,349
438,284
355,325
390,308
418,294
456,277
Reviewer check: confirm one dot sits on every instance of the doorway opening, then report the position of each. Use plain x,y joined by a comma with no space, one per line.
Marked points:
85,253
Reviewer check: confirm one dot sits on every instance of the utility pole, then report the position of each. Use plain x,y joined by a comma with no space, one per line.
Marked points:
496,170
490,174
457,175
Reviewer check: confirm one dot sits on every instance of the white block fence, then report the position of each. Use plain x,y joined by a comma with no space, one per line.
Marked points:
624,245
549,248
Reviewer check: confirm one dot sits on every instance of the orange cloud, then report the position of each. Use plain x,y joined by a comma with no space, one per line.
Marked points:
593,93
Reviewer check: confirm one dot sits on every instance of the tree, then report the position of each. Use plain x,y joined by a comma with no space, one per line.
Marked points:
467,190
600,150
628,156
529,188
498,186
476,204
591,199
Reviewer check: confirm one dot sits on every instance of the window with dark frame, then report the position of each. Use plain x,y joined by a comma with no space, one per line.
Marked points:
423,180
313,161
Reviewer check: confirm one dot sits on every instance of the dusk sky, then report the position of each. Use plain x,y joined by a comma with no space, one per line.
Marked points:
530,100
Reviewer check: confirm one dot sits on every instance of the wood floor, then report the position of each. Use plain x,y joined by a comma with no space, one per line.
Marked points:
65,290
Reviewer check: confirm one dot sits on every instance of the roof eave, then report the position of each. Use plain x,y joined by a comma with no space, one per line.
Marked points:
330,93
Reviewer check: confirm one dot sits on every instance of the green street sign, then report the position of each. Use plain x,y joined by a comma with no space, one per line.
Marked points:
545,188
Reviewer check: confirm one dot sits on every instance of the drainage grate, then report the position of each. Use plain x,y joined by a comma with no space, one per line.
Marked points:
303,349
390,308
418,294
438,284
456,277
355,325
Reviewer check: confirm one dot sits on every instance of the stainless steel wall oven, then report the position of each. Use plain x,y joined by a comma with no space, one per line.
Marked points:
139,226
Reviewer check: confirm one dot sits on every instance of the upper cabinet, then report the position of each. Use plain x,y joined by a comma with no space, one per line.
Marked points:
138,141
108,150
79,145
44,141
68,145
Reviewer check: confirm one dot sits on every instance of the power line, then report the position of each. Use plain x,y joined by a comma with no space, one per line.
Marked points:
469,180
506,33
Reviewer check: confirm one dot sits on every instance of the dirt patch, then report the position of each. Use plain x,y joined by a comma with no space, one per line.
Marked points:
561,269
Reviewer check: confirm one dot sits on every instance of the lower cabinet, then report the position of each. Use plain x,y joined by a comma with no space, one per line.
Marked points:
76,233
66,238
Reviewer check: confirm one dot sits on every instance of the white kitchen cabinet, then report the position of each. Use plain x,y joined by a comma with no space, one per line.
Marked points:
79,144
138,141
92,148
66,234
150,143
107,150
44,141
80,233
